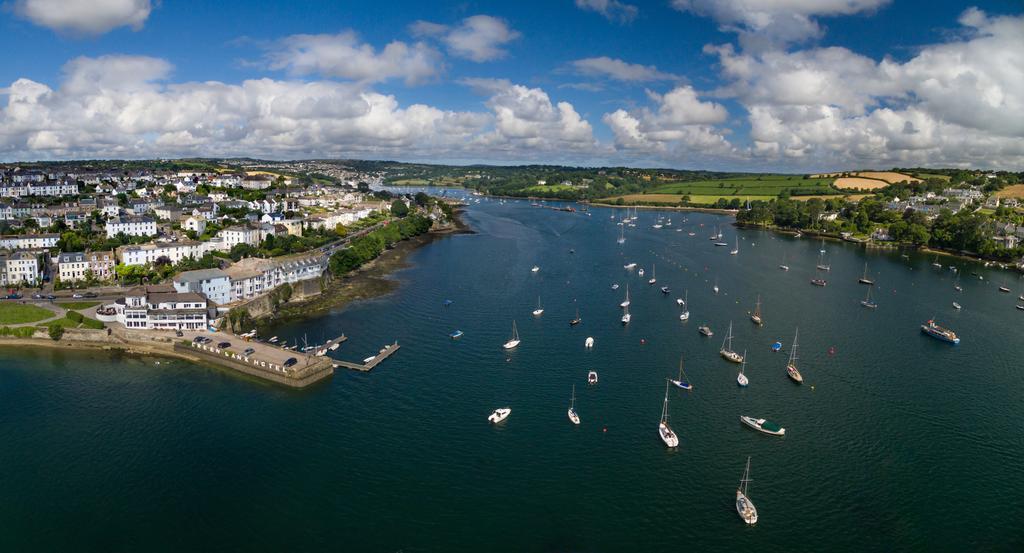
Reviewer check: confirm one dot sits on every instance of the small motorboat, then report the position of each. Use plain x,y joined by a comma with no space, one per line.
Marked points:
446,303
615,286
1021,307
499,415
684,316
629,266
456,335
535,269
957,306
784,267
665,290
819,282
592,377
588,343
777,346
763,425
640,272
680,301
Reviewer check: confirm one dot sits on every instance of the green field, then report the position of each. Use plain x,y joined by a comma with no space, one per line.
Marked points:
76,305
16,313
766,185
548,188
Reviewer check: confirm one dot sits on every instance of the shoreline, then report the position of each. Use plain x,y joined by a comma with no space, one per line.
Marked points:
712,210
372,280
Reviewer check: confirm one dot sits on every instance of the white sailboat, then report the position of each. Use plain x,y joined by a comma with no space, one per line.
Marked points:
726,351
622,235
625,302
685,315
791,368
756,315
573,416
654,277
715,287
783,265
514,340
741,378
540,310
744,506
736,250
626,317
664,430
682,382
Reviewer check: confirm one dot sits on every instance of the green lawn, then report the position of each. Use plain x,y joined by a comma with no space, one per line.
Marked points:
64,322
766,185
549,188
76,305
16,313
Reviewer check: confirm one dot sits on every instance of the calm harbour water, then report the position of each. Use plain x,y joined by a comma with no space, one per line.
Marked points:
895,442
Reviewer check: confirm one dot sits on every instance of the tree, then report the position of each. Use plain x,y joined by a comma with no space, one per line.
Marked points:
399,209
56,331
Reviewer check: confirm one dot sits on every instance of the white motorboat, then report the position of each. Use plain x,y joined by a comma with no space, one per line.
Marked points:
499,415
615,286
573,416
640,272
589,342
957,306
664,430
763,425
592,377
535,269
744,506
629,266
514,340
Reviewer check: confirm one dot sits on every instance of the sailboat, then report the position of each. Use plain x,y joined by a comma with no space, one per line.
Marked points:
958,288
654,277
514,340
744,506
540,310
664,430
756,315
715,287
783,265
822,250
685,315
625,303
867,302
821,261
577,320
864,278
791,369
626,317
727,351
683,382
737,249
741,378
575,418
622,235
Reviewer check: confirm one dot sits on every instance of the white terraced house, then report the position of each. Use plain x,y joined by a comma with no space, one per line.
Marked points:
131,226
146,254
46,188
158,308
29,241
24,268
71,266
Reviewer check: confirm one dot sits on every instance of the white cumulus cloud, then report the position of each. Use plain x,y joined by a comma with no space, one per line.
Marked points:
620,70
90,17
478,38
613,10
344,56
681,125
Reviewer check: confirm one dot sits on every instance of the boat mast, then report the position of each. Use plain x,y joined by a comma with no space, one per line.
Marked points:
745,481
664,406
792,353
728,339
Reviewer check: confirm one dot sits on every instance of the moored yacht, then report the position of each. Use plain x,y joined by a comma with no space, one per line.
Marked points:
727,352
514,340
573,416
791,369
744,506
499,415
763,425
664,430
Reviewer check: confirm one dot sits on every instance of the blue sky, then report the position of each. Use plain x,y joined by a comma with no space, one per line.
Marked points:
797,85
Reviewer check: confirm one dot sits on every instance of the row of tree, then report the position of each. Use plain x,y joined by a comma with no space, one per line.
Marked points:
371,245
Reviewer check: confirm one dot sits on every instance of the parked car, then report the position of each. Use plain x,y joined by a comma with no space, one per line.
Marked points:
77,296
90,295
37,296
179,333
290,362
51,297
249,351
13,296
201,340
224,345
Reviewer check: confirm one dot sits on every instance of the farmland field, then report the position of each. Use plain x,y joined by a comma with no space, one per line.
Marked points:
859,182
887,176
1013,191
674,199
767,185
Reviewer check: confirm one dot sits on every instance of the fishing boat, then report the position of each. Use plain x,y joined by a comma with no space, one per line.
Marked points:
819,282
654,277
664,430
625,302
682,381
957,306
867,302
592,378
756,315
763,425
629,266
791,369
626,317
456,335
577,320
864,278
744,506
736,250
726,351
935,331
535,269
499,415
540,310
705,330
514,340
573,416
741,378
589,342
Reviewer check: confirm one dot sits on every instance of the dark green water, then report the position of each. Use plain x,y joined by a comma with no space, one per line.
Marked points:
896,442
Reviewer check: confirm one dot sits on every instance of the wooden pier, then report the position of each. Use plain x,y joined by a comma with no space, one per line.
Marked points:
331,343
369,365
